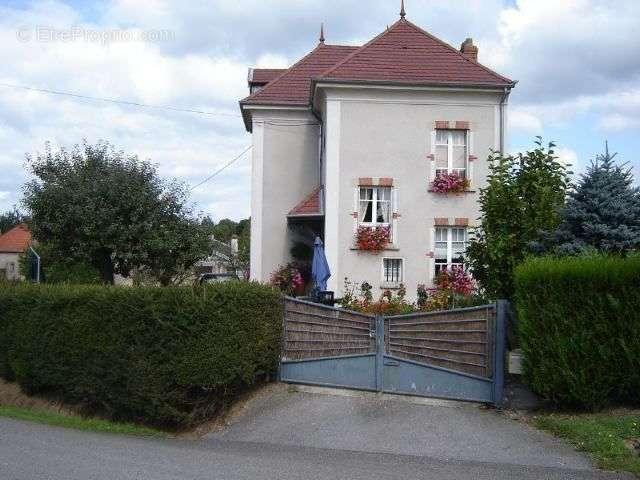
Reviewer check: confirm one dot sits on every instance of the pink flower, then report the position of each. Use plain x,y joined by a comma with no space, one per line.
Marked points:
450,182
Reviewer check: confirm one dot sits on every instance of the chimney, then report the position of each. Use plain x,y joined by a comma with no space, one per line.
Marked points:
469,50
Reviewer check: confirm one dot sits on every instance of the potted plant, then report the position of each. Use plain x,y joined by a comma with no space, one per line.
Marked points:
450,183
373,239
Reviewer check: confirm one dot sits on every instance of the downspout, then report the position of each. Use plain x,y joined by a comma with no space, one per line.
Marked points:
320,153
503,103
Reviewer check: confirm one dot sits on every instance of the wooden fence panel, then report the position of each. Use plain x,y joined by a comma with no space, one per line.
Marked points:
316,331
460,340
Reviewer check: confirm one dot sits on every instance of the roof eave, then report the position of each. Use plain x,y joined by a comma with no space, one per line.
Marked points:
247,106
320,82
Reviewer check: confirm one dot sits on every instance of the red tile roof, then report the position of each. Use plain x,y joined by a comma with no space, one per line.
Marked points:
404,53
292,86
309,206
16,240
407,54
262,76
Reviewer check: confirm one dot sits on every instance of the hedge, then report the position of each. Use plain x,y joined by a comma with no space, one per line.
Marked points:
579,327
166,356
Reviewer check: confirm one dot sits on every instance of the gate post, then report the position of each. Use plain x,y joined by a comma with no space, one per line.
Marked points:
379,352
499,352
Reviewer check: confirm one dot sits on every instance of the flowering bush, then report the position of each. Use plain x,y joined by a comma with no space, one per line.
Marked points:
457,280
452,288
373,239
450,183
287,279
360,299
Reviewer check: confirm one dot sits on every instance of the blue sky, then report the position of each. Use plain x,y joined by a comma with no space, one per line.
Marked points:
576,62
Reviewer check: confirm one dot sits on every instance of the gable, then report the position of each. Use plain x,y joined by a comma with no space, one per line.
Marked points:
407,54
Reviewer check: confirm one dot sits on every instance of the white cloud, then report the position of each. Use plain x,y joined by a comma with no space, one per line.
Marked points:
572,58
524,121
617,122
568,157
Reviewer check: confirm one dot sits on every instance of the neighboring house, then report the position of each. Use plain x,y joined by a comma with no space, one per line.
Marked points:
353,136
223,259
13,243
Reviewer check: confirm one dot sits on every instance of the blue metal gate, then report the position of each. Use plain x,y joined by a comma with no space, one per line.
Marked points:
454,354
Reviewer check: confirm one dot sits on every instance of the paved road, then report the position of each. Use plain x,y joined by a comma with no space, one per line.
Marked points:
31,451
38,452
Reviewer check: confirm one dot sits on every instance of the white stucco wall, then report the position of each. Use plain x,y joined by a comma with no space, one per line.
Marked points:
285,170
388,134
9,265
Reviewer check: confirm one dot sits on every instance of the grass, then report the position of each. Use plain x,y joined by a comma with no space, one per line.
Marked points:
601,435
78,423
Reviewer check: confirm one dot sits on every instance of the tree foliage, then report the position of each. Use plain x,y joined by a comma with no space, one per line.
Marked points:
522,199
97,205
602,212
10,219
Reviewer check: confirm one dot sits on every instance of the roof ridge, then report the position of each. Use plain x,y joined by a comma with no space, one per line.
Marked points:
317,47
287,70
363,47
448,45
420,30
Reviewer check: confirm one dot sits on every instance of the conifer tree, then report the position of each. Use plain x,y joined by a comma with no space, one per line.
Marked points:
602,211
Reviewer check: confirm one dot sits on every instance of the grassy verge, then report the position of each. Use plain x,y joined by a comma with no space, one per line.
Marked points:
603,436
78,423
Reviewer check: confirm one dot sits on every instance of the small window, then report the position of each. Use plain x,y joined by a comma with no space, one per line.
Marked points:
392,270
451,152
450,245
375,206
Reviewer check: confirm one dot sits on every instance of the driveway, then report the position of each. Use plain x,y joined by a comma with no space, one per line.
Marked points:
367,422
305,435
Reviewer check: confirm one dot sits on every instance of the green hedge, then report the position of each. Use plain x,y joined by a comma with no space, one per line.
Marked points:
579,327
169,356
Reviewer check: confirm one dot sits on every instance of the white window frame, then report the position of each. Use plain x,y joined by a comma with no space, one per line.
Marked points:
449,241
449,145
374,206
389,283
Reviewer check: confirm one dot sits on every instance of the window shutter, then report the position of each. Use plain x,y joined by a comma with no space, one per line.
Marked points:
356,208
471,153
432,170
431,260
394,219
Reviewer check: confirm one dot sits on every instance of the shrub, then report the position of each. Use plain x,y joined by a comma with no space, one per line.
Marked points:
579,327
170,356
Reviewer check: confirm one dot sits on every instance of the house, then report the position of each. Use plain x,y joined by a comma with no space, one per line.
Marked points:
13,243
351,137
223,259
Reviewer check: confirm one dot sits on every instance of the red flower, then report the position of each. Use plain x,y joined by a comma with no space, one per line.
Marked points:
373,239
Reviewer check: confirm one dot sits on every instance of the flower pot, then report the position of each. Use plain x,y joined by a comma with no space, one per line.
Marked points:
299,290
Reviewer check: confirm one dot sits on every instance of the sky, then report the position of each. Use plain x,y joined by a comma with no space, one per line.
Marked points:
577,63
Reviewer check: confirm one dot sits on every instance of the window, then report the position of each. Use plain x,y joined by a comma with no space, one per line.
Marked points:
450,246
392,270
451,152
375,206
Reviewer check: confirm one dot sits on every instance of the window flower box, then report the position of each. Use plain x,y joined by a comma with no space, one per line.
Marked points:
450,183
373,239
